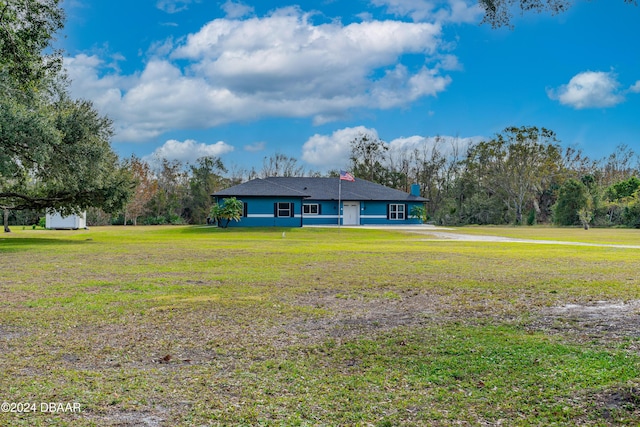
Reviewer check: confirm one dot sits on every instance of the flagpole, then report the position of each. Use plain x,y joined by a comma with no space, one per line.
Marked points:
339,197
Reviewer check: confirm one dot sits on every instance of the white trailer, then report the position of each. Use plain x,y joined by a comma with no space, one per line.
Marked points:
55,221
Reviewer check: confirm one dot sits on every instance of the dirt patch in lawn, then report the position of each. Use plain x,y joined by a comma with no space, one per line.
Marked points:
128,419
601,320
617,405
357,315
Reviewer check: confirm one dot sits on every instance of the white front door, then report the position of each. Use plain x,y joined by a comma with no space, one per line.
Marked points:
351,213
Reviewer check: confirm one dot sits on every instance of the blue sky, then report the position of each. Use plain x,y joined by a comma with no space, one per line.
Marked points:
244,80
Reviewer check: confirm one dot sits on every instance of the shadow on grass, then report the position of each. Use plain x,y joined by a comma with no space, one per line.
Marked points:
16,244
212,229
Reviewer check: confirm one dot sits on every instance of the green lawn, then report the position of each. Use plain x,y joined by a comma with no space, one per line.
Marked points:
198,326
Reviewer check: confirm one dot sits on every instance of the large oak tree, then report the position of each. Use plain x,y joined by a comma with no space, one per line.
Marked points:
27,29
55,152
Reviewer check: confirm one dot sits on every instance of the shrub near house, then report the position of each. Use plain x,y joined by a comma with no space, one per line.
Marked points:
229,210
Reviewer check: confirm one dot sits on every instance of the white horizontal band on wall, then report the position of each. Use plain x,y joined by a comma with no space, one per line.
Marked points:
271,216
313,216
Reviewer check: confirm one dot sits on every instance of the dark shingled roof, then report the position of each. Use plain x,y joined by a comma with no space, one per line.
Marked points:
316,189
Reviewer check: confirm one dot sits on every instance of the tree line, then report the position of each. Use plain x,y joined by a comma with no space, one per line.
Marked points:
520,176
55,154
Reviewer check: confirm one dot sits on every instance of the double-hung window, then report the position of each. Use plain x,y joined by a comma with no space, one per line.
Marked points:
397,212
284,209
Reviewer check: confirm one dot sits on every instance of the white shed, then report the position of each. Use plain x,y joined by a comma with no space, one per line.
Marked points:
56,221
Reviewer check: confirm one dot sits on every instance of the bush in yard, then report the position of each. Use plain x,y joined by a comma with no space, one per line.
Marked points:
531,218
230,210
573,205
631,215
419,212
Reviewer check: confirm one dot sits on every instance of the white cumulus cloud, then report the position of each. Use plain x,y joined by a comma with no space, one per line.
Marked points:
189,151
589,89
458,11
279,65
332,151
446,146
236,9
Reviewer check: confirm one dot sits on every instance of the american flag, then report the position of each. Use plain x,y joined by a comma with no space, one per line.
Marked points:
346,176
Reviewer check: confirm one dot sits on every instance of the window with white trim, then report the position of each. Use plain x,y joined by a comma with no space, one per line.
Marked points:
397,211
284,209
311,209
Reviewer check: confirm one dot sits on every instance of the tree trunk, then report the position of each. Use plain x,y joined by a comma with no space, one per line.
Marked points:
518,207
6,221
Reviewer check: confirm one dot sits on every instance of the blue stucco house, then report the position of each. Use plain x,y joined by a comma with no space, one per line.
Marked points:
300,201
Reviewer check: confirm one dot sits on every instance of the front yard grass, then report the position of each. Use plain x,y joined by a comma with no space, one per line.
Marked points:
182,326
